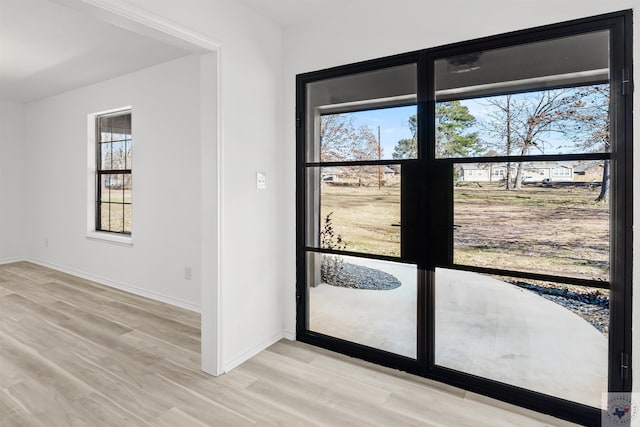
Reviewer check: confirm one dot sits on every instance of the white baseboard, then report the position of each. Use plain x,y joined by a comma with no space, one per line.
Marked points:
291,336
11,260
119,285
246,355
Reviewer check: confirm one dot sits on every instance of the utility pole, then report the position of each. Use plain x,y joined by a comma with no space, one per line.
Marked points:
379,166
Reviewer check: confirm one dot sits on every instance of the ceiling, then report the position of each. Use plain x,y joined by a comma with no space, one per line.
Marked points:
47,48
561,62
289,12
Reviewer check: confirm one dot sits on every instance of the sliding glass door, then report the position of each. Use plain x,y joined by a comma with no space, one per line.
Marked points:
464,214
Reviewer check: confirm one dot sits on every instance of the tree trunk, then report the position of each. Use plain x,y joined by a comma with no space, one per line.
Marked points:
604,188
508,112
519,177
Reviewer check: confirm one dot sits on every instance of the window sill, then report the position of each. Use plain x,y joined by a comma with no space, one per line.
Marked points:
115,239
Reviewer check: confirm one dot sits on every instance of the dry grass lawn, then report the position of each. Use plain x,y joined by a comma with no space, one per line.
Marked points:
557,230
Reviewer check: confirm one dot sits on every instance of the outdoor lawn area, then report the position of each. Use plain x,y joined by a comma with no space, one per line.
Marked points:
367,218
549,229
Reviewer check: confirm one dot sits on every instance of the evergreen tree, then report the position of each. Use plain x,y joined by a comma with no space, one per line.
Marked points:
453,136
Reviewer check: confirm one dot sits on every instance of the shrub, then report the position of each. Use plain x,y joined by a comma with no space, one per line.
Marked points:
330,265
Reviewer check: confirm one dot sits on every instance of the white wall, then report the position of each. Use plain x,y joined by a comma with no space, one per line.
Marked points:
250,96
244,229
165,104
379,28
12,162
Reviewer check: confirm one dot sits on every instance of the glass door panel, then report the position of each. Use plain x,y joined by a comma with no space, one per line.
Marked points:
359,129
525,300
365,301
548,337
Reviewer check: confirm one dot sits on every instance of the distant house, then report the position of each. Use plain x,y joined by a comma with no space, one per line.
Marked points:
330,174
347,176
534,172
388,171
588,172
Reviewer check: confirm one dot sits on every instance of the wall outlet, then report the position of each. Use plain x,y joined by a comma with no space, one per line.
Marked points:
46,242
187,273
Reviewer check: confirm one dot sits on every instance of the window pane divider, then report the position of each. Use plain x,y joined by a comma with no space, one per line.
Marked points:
114,171
524,159
358,255
356,163
574,281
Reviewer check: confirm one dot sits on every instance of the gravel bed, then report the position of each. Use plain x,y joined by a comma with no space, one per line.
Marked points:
360,277
592,306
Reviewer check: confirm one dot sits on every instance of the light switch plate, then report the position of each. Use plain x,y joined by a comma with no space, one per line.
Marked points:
261,180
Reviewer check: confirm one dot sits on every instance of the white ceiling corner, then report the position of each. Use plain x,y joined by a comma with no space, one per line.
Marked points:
48,48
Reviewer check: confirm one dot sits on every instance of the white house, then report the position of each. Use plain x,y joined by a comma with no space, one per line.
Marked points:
531,173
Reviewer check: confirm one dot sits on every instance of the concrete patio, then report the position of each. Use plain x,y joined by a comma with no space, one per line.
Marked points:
484,327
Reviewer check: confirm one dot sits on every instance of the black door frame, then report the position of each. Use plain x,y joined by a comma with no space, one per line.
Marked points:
619,26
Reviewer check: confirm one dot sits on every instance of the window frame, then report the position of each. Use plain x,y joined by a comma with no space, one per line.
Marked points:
94,179
620,32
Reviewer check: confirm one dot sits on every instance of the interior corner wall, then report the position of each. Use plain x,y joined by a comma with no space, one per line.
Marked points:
251,220
355,33
12,163
165,103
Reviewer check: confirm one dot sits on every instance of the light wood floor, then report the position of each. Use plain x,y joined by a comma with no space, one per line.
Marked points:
74,353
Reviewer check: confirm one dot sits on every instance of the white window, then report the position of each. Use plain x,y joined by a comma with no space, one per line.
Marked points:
561,172
110,172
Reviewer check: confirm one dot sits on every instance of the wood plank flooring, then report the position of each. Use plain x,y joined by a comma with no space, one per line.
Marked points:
75,353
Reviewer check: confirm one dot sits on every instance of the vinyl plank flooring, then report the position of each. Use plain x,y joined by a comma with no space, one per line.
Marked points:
75,314
16,421
348,389
76,353
89,411
36,398
121,393
187,317
175,417
229,390
350,402
27,270
12,306
4,291
27,288
145,342
9,407
160,327
38,369
312,411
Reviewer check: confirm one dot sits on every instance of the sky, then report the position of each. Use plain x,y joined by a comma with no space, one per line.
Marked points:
394,126
393,122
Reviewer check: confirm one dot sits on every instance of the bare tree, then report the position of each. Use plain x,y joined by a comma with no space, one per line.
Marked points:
341,139
499,127
591,126
522,124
